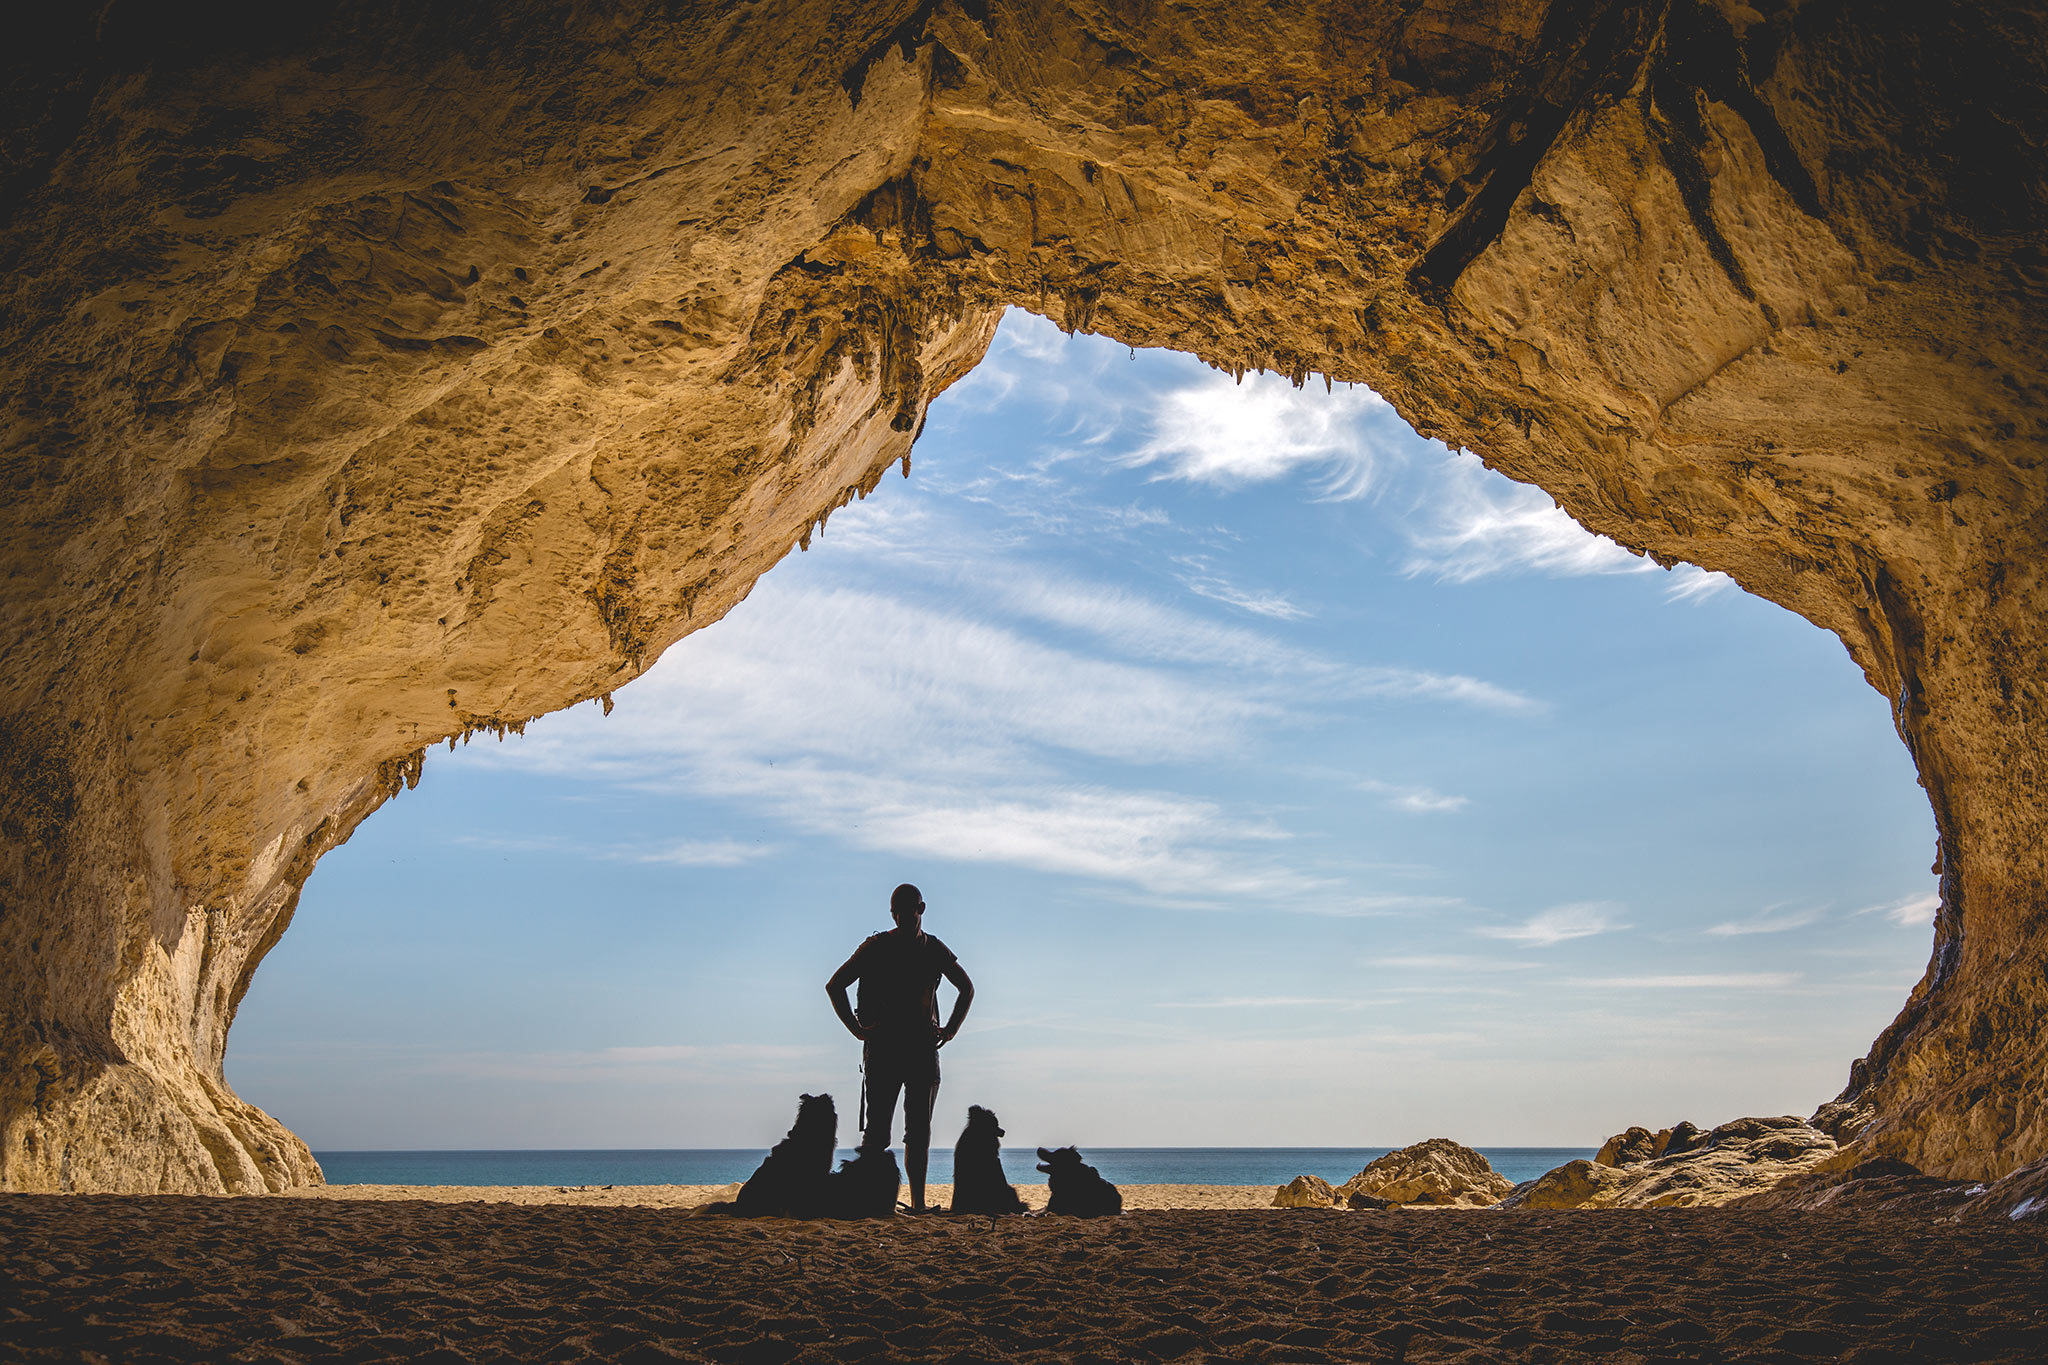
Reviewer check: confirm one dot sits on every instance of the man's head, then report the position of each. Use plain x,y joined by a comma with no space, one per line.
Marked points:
906,907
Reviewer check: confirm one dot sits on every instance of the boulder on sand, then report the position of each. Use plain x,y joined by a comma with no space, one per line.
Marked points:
1304,1192
1439,1172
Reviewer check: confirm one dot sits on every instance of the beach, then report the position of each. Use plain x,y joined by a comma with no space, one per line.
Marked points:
689,1196
610,1275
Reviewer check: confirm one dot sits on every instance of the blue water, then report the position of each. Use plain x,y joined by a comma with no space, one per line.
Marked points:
1122,1165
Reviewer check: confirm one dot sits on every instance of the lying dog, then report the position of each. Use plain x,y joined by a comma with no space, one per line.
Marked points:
979,1184
1077,1188
864,1186
793,1180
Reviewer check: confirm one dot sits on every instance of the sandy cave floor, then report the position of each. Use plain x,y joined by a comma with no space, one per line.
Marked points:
135,1278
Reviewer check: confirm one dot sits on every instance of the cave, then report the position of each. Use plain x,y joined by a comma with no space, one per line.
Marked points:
376,377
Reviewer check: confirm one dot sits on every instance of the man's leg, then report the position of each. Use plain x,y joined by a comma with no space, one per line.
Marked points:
920,1097
881,1081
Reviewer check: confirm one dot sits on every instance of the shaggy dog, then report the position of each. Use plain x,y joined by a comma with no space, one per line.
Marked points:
794,1180
1077,1188
865,1186
979,1184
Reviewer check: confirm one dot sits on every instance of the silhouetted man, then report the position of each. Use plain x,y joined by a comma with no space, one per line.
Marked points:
898,1021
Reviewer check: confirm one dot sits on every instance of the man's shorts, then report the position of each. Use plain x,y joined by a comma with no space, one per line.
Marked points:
909,1070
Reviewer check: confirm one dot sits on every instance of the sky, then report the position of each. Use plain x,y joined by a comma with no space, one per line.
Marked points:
1281,779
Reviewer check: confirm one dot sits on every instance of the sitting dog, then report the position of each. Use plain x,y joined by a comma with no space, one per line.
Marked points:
1077,1188
979,1184
793,1180
864,1186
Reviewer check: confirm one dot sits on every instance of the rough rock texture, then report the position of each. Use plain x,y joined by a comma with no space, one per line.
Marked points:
1888,1185
1731,1161
2019,1196
1883,1185
1304,1192
1638,1144
375,375
1635,1145
1438,1171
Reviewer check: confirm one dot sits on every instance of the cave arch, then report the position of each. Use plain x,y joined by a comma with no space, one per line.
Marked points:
375,379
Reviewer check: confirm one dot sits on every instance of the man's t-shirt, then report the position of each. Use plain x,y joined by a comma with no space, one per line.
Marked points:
898,998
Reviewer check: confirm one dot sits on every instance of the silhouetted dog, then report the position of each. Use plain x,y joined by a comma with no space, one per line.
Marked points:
1077,1188
865,1186
793,1180
979,1184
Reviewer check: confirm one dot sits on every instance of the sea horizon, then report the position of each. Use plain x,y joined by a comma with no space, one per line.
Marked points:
725,1165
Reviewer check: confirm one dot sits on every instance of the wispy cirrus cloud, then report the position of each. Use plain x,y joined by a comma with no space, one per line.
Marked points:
658,1063
703,853
1559,924
1419,800
927,732
1203,580
1451,962
1771,921
1694,981
1263,1002
1472,524
676,853
1908,912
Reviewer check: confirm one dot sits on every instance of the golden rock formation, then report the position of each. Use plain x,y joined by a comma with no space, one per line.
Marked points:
379,375
1437,1172
1728,1162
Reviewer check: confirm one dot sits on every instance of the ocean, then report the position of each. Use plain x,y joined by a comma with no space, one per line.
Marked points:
721,1166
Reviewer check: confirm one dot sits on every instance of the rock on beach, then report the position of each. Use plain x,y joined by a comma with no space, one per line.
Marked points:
1439,1173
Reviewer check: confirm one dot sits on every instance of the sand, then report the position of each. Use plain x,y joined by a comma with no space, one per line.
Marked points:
130,1278
687,1196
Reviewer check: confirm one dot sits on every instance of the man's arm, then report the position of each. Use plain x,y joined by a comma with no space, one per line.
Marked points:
958,976
847,974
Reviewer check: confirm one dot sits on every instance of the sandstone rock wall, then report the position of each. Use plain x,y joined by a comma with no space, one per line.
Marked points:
375,379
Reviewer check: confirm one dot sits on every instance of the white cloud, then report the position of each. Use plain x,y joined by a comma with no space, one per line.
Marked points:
1204,581
1383,905
1691,583
1223,432
845,674
1140,628
923,732
680,853
1768,922
1420,800
1910,912
703,853
666,1063
1486,524
1244,1002
1559,924
1452,962
1474,523
1726,981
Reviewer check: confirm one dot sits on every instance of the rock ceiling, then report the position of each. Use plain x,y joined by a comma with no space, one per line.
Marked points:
380,374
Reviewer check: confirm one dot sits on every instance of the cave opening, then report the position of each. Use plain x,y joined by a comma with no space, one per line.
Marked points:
1284,778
